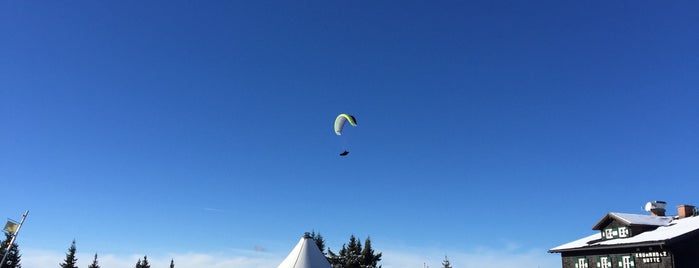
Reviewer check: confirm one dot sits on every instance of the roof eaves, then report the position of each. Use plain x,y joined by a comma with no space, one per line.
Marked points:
612,246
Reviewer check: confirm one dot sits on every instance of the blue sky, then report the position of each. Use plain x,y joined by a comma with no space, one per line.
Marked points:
489,131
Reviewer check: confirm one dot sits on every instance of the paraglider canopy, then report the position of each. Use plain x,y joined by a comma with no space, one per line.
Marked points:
344,153
341,120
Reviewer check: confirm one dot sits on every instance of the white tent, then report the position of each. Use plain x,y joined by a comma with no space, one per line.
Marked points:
305,255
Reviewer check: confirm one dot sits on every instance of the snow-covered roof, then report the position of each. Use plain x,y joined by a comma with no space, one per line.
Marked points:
634,219
305,254
660,236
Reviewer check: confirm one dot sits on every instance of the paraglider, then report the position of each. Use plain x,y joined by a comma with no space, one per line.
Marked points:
340,123
341,120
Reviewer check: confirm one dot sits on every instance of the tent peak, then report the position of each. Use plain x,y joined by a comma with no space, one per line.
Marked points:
305,254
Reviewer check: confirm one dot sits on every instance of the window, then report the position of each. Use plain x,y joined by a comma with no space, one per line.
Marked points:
626,261
608,233
582,263
604,262
616,232
623,232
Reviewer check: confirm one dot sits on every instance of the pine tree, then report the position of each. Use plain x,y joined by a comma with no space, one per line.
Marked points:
368,259
13,258
70,257
446,263
334,259
320,242
94,263
144,263
172,263
352,255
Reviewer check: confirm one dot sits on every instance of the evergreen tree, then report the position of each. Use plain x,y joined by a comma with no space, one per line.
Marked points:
13,258
446,263
172,263
94,263
367,258
334,259
144,263
320,242
70,257
352,255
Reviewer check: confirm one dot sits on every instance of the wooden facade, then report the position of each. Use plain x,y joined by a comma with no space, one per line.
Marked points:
641,257
636,241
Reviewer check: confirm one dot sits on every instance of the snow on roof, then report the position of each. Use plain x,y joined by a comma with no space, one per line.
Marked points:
673,229
634,219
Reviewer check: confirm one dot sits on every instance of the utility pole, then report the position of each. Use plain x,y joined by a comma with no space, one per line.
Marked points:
14,235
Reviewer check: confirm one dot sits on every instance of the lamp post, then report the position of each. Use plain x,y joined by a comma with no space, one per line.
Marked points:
13,235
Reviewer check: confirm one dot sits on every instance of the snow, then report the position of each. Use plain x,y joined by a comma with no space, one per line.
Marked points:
636,219
669,228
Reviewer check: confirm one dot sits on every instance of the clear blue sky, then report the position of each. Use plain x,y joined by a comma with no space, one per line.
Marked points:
172,127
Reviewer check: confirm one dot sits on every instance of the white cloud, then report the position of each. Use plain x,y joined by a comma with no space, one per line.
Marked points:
509,256
37,258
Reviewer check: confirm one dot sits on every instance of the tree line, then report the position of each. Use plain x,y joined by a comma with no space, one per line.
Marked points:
71,259
13,259
353,254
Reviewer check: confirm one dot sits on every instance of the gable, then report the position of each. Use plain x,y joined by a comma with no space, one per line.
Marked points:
623,225
664,235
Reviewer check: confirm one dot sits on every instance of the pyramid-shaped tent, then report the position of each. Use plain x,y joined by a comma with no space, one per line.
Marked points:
305,255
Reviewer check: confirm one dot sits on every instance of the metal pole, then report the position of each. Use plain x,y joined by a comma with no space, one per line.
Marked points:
12,240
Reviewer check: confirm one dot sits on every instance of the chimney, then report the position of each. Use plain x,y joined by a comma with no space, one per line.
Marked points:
684,211
656,208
